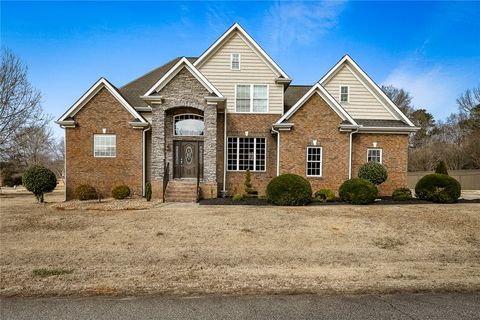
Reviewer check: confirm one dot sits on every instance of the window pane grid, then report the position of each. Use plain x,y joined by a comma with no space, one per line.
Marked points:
104,145
314,161
374,155
252,98
343,94
246,153
235,61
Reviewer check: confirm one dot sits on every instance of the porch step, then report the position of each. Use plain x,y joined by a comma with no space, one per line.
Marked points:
181,191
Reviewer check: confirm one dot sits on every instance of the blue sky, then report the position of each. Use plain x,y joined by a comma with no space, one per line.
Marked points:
431,49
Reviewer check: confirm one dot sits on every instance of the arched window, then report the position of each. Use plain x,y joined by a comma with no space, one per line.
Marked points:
188,125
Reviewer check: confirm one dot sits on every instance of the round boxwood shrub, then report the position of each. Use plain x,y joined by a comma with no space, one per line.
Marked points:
358,191
289,190
121,192
39,180
85,192
402,194
373,172
324,195
439,188
441,168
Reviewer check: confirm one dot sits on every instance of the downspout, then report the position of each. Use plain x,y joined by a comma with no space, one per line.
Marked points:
278,150
350,154
144,160
65,161
224,189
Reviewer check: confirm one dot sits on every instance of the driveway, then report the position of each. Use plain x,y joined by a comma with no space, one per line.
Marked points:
392,307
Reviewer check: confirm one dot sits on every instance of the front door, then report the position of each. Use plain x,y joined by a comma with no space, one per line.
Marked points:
188,156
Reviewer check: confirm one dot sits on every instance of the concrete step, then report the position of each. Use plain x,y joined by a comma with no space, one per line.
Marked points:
181,191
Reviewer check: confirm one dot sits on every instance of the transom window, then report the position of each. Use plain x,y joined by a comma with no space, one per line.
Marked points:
188,125
246,153
251,98
344,93
235,61
314,161
104,145
374,154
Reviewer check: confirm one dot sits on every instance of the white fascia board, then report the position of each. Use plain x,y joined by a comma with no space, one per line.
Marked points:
176,69
389,129
101,83
320,90
369,80
236,27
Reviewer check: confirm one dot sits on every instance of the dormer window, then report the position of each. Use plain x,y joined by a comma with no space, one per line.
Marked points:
235,61
344,93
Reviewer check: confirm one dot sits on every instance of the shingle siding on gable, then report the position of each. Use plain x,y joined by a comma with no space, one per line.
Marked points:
362,103
252,71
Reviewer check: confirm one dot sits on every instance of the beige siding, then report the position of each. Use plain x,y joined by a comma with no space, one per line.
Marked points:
362,103
253,71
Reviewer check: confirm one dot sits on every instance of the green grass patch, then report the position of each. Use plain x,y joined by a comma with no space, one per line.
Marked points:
42,272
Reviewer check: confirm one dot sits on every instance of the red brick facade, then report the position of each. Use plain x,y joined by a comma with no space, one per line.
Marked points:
103,111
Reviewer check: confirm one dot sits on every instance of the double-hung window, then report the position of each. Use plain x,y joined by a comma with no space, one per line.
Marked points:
235,61
374,154
344,93
251,98
104,145
246,153
314,161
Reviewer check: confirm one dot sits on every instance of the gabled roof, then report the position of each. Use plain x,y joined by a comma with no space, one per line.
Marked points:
183,63
226,36
87,96
292,94
134,89
320,90
375,88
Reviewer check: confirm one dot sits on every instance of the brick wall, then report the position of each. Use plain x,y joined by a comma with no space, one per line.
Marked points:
315,120
103,111
394,154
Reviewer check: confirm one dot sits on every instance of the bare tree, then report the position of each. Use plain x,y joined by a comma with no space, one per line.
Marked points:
401,98
33,145
20,103
469,100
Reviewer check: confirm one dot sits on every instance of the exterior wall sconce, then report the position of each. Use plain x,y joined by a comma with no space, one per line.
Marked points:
246,133
314,142
374,144
104,130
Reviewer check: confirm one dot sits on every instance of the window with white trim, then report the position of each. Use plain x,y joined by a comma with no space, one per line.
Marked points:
246,153
251,98
344,93
314,161
104,145
235,61
374,154
188,125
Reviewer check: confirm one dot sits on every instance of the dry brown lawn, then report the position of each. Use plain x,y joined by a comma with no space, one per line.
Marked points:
58,249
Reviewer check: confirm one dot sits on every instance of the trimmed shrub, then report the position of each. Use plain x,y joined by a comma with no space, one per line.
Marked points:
148,191
373,172
85,192
289,190
121,192
39,180
439,188
238,197
402,194
441,168
248,183
325,195
358,191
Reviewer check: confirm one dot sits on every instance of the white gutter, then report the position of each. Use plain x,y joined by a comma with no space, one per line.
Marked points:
350,155
144,161
224,189
278,150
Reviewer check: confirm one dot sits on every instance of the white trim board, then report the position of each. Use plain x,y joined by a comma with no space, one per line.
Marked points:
175,70
377,92
87,96
320,90
248,40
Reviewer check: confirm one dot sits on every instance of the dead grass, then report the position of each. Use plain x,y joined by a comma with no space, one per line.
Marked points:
191,249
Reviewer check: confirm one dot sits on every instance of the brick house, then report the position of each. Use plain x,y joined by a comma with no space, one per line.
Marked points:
210,118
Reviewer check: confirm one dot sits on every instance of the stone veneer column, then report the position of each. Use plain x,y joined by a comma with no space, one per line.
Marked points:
210,144
158,145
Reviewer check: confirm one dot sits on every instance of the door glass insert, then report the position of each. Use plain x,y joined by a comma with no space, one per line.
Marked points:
188,154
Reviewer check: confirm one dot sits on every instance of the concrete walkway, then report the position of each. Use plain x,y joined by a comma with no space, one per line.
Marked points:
391,307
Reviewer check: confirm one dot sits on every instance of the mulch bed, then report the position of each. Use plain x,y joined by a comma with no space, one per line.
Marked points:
263,202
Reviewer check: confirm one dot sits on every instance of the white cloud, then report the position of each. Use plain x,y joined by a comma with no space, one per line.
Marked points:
290,23
433,88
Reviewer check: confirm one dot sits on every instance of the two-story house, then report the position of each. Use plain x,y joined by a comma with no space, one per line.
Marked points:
231,109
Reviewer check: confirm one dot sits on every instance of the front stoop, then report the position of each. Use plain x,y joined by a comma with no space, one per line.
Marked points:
181,191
